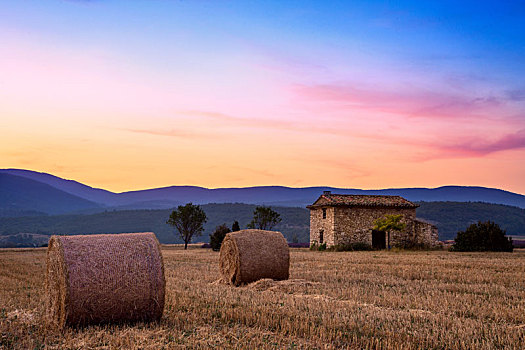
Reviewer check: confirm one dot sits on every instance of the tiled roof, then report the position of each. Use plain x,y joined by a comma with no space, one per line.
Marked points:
356,200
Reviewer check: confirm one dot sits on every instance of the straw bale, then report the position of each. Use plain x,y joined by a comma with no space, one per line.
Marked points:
104,278
249,255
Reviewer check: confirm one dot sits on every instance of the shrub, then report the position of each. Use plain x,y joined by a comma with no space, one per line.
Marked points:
351,247
483,236
217,236
317,246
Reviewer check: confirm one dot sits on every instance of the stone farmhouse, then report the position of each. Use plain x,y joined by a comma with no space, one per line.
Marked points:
345,219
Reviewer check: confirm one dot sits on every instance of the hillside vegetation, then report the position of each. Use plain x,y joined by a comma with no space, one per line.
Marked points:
295,224
450,218
357,300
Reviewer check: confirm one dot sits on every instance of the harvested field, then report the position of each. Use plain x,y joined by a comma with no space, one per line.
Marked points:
371,300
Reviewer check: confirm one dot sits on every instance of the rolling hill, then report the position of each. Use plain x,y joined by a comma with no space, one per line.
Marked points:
168,197
23,196
69,186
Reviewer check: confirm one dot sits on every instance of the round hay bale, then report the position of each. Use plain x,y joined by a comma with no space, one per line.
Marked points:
104,278
249,255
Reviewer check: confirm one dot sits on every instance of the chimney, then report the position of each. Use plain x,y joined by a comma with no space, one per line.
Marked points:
327,193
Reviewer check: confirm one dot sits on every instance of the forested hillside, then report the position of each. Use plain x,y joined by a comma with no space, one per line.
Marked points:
295,222
450,218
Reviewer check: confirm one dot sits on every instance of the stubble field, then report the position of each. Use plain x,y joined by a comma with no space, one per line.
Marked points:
375,300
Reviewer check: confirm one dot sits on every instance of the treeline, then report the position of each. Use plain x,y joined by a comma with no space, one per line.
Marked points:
294,225
450,218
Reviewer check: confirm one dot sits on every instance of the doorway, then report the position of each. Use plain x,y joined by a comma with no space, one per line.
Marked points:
378,239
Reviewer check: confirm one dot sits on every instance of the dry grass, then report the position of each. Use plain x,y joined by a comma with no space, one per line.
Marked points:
333,300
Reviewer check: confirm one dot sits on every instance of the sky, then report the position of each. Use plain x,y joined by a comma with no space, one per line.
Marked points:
129,95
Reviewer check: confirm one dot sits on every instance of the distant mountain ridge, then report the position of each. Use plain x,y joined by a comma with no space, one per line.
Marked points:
23,196
70,186
96,199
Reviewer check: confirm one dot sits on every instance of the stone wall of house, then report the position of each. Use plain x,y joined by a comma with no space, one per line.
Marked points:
345,225
353,224
425,234
317,223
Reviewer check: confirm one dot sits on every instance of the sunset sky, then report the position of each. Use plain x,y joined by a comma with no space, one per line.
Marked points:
128,95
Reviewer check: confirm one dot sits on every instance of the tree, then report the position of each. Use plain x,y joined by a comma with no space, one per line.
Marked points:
264,218
217,236
188,220
389,223
483,236
235,226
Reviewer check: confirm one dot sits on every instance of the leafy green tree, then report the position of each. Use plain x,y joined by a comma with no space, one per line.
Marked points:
389,223
217,236
189,221
235,226
483,236
264,218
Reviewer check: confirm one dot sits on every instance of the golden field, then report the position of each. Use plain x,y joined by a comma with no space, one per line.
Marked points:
371,300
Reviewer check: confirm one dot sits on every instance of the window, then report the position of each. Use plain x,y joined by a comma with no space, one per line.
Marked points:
321,236
324,213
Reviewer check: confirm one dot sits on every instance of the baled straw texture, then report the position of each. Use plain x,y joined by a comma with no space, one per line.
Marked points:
104,278
249,255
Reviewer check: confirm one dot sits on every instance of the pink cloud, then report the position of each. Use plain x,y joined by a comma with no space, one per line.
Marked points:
432,124
258,123
170,132
408,103
430,140
231,120
480,147
461,145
